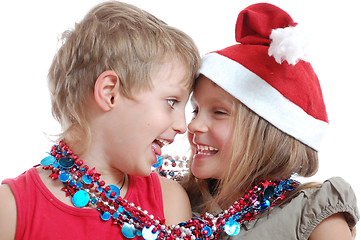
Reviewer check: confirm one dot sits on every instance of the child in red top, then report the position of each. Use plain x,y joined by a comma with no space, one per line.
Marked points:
119,85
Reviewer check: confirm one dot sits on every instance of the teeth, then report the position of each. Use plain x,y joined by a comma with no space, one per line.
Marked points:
206,148
164,142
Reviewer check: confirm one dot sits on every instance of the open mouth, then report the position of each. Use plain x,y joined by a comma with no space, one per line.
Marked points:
206,150
157,145
161,142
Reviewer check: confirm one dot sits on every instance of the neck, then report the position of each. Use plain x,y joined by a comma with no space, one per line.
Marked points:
95,156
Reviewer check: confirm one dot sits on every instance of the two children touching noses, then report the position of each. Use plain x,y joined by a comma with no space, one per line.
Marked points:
119,85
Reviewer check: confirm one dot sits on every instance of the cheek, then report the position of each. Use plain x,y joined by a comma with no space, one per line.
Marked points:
224,135
155,119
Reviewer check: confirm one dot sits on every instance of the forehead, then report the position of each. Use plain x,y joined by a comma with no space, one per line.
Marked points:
173,72
208,94
205,87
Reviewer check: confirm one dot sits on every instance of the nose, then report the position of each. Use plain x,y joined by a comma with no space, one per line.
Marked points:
197,125
180,125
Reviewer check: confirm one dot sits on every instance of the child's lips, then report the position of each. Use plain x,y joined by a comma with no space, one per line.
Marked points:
205,150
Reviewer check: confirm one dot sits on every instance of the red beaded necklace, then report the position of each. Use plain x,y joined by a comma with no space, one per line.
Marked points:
86,189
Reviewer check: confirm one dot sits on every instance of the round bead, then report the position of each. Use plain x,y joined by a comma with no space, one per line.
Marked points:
148,234
129,230
110,195
278,190
269,192
105,216
115,215
207,231
120,209
65,162
64,177
79,162
81,198
232,228
101,183
87,179
265,205
94,200
72,182
47,161
79,185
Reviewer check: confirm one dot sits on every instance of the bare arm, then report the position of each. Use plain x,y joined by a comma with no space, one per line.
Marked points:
176,204
334,227
7,213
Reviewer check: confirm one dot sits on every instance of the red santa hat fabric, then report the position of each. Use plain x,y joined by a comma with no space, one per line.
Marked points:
268,73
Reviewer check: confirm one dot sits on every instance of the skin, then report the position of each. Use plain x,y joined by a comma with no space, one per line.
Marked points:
332,228
152,114
7,213
211,126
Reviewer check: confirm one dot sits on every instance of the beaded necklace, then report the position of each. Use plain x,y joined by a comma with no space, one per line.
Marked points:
87,190
174,168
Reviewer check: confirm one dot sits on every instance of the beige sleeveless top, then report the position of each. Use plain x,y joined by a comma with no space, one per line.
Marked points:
297,218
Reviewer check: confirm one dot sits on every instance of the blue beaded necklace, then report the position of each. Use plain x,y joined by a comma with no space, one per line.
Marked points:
86,189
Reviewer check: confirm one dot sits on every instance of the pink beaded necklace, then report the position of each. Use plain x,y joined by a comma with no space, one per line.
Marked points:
86,189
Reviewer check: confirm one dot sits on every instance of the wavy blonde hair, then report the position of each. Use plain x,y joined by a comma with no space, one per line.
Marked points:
112,36
260,151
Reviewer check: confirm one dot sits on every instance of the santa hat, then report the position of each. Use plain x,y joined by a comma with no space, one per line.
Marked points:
268,73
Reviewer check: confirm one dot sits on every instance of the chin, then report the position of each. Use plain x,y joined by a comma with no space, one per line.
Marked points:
204,172
200,174
145,172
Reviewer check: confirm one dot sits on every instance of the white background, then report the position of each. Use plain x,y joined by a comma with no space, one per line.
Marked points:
29,32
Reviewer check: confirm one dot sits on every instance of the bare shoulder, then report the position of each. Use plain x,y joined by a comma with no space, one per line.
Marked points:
7,213
334,227
176,203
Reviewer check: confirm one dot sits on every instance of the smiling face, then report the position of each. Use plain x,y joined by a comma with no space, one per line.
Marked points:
142,126
210,132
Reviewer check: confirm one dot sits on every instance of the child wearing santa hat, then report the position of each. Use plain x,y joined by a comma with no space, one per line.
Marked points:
259,117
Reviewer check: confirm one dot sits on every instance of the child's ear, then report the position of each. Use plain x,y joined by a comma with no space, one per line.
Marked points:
106,90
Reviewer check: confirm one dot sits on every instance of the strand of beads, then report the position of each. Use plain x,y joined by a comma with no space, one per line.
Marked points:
86,189
172,168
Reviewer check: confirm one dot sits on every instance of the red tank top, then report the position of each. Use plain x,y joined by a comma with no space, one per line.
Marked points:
42,216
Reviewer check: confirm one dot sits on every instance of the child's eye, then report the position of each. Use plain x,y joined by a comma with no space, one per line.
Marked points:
171,102
220,112
195,111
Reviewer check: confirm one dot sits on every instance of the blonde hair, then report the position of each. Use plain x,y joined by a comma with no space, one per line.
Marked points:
260,151
112,36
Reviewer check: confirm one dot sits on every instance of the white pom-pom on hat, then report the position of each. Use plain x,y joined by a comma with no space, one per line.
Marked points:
288,44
